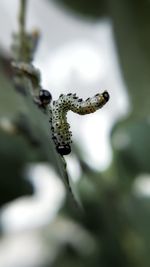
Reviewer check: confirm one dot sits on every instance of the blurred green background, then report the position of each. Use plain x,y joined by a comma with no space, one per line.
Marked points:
114,227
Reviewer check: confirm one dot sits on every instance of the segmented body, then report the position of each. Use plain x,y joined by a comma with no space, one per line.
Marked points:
60,127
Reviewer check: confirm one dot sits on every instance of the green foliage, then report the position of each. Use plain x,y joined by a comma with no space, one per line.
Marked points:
131,22
23,125
93,9
114,227
26,127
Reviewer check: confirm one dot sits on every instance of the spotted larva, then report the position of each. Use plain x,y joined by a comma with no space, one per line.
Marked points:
59,125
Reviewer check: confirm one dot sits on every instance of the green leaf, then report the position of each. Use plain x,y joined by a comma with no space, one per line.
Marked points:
131,146
131,23
33,140
93,9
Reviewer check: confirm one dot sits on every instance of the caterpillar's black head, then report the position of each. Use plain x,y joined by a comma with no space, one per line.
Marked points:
63,149
106,96
45,97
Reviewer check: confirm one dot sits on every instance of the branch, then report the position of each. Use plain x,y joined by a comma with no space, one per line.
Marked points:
22,32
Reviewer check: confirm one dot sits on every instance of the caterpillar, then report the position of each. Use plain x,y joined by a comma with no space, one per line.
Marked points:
59,125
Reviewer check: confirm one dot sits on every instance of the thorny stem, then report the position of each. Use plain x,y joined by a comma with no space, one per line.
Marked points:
22,33
23,4
26,74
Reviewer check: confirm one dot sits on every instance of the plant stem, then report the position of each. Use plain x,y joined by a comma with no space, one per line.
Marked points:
22,32
23,5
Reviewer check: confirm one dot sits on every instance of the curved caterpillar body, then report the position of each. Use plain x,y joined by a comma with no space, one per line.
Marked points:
60,127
